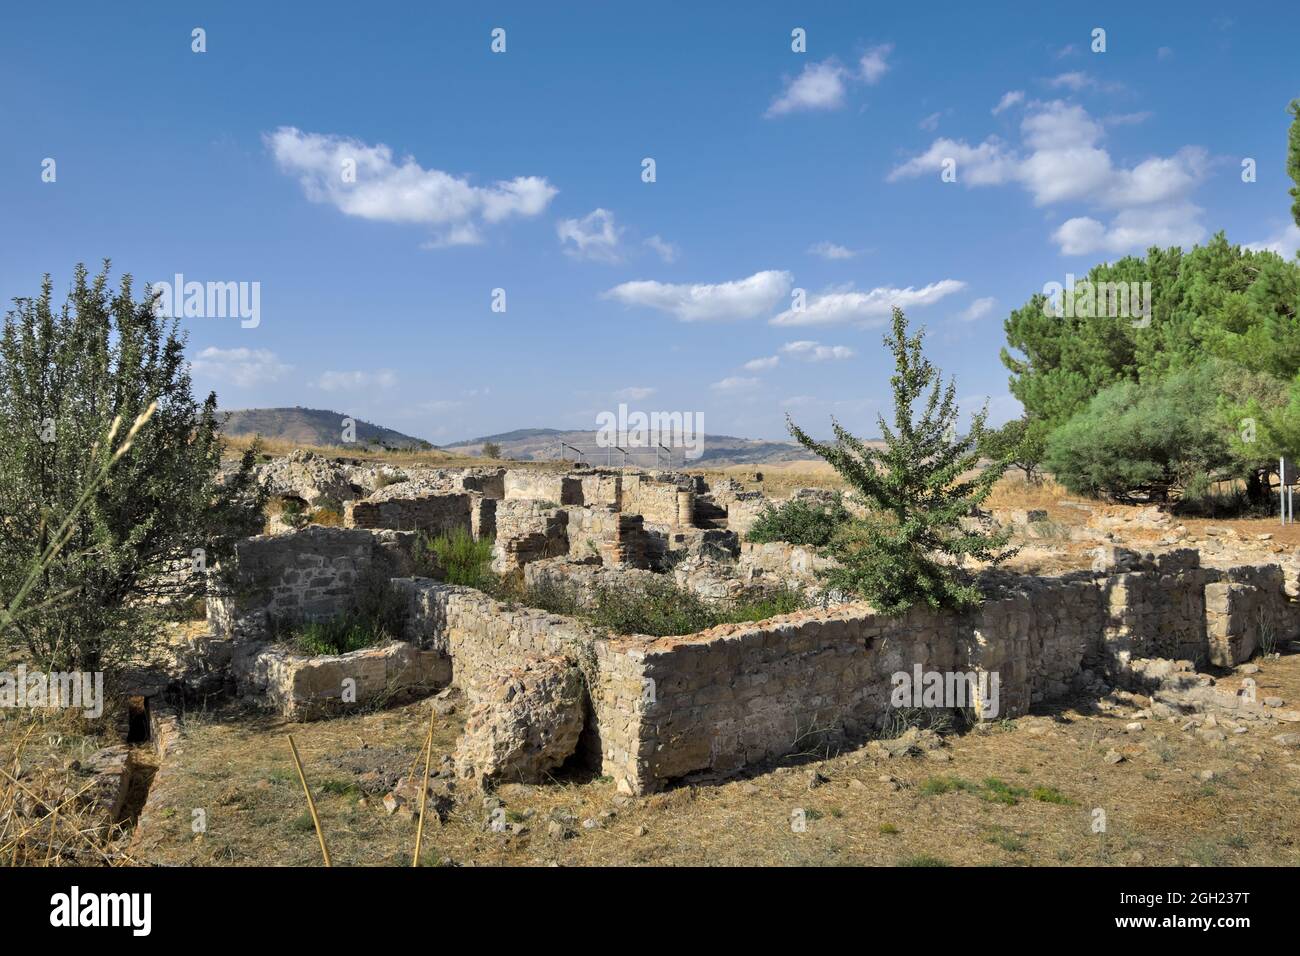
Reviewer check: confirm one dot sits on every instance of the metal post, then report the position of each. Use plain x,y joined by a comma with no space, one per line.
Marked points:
1281,489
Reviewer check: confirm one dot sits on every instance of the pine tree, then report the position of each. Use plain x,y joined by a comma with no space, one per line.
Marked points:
907,548
65,375
1293,158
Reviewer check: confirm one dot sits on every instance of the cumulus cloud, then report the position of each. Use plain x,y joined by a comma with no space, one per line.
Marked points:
1009,99
821,86
816,352
595,236
762,364
865,308
356,380
385,189
978,309
824,85
708,302
1062,160
831,250
242,367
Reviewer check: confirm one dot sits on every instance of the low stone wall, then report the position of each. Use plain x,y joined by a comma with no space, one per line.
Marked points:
743,508
433,514
778,558
308,688
307,575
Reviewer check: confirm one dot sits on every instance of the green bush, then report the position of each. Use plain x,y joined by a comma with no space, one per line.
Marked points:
799,521
462,559
1143,440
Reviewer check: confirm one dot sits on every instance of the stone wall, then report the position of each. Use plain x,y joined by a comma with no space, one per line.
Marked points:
308,688
659,498
307,575
743,508
433,514
617,538
528,530
542,486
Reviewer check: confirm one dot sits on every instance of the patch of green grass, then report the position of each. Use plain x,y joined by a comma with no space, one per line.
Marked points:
302,823
340,788
933,786
999,791
887,829
923,859
1051,795
1005,839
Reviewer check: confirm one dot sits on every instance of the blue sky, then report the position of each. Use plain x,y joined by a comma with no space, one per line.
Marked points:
775,171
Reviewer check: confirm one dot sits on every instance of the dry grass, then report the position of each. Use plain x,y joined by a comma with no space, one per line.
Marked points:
1022,793
236,445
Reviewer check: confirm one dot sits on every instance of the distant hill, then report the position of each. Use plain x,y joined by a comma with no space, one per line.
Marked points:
543,444
311,426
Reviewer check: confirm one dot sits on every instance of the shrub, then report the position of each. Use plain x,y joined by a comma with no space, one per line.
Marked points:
463,559
491,450
799,521
66,374
907,548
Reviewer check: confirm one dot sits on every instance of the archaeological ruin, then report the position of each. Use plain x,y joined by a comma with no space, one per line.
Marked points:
547,690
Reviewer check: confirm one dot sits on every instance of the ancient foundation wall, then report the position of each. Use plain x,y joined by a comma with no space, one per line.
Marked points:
433,514
308,575
542,486
658,500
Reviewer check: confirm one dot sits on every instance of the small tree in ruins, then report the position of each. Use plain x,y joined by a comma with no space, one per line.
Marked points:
908,547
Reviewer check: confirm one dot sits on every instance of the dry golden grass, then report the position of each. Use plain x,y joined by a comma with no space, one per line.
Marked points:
1051,766
235,446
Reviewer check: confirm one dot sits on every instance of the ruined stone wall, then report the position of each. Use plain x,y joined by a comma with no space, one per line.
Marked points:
1246,610
743,508
660,499
308,688
307,575
601,489
528,530
617,538
542,486
433,514
778,558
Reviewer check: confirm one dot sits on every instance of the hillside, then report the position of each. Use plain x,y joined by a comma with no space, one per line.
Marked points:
528,444
310,426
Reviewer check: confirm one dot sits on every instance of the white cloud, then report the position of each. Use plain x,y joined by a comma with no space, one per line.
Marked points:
402,191
700,302
821,86
872,66
762,364
666,250
356,380
816,352
1127,119
595,236
978,309
242,367
1075,81
1009,99
831,250
930,123
735,383
865,308
634,393
1063,161
824,85
1139,228
1285,242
